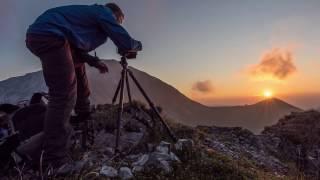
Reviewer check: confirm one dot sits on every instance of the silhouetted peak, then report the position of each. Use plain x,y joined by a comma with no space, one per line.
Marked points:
275,102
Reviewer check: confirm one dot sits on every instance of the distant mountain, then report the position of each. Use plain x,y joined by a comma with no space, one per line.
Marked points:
176,106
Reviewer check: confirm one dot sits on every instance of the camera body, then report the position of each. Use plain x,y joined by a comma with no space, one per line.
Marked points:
131,55
128,55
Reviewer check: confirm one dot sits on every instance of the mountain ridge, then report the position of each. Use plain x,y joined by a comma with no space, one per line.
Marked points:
176,106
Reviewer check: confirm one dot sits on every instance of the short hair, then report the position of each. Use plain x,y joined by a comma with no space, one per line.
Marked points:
115,8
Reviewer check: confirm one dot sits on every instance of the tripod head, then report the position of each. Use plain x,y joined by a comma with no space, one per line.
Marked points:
124,62
125,56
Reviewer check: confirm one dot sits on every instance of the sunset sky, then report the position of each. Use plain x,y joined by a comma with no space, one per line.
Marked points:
217,52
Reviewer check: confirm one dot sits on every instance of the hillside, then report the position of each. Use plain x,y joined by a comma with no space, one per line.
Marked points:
175,105
286,150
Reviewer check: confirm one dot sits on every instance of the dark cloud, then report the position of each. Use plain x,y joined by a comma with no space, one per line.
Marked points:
279,63
203,86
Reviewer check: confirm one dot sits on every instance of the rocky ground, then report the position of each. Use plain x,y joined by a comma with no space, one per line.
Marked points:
287,150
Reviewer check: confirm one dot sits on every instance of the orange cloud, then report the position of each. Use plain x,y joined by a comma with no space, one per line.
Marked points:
203,86
277,63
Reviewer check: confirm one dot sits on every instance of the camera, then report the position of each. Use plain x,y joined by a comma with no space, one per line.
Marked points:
128,55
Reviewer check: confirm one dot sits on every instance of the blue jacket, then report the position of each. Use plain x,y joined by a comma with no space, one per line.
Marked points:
85,27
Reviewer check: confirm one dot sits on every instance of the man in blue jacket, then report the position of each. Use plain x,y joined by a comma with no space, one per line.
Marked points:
62,37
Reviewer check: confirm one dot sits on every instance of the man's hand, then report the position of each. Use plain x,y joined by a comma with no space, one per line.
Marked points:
102,67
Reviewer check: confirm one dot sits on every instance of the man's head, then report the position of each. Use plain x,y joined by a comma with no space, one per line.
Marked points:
117,12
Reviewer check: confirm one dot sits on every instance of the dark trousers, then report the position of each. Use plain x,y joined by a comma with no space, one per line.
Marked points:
68,88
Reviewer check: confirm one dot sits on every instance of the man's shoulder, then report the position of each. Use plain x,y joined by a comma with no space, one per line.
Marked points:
94,7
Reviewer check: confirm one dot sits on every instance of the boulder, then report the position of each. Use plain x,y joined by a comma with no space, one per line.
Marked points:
164,147
125,173
108,171
184,145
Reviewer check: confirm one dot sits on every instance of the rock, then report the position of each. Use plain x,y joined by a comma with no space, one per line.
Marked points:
137,169
174,157
132,126
164,147
125,173
163,156
108,171
134,157
3,133
131,137
296,138
142,160
184,145
160,159
165,166
70,168
104,139
93,157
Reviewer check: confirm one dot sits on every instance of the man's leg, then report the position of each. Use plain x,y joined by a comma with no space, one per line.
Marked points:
60,77
83,90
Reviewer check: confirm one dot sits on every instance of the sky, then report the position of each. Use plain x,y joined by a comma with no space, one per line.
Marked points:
216,52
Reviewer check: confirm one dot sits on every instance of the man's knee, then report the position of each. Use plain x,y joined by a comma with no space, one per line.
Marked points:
67,98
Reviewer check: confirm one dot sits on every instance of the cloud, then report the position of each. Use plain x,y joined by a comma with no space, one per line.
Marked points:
203,86
277,63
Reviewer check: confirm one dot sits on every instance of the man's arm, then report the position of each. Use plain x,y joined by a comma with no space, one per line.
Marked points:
94,61
84,57
118,34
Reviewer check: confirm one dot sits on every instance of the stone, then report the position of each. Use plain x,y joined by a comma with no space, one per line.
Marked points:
184,145
142,160
132,137
161,160
132,126
163,156
165,166
164,147
156,156
103,140
3,133
70,168
125,173
174,157
137,169
109,171
134,157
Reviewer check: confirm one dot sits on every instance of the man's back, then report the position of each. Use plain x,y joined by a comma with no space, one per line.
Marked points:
80,24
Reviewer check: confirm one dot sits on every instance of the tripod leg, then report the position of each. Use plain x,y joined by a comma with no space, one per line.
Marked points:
128,88
117,91
173,137
123,73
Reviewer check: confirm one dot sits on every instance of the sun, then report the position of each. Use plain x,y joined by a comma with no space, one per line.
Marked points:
267,93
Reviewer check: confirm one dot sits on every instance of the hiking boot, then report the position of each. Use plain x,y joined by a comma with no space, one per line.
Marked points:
80,118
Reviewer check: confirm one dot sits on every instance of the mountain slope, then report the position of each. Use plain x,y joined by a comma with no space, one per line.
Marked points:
176,106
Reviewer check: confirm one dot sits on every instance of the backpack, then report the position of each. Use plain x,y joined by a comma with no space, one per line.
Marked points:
21,124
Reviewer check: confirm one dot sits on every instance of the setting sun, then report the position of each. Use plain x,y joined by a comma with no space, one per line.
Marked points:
267,93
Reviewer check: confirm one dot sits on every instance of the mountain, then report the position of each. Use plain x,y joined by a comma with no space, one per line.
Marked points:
176,106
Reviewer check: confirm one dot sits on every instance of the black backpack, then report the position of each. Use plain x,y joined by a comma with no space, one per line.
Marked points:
23,123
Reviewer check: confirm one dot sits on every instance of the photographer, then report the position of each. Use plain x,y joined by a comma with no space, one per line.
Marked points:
62,37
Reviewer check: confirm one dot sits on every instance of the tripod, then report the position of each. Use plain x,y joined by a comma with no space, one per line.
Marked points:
124,80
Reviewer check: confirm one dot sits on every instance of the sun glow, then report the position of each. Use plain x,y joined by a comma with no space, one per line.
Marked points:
267,93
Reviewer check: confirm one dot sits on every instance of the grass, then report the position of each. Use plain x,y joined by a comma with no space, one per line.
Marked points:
198,163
